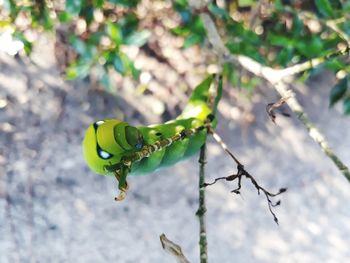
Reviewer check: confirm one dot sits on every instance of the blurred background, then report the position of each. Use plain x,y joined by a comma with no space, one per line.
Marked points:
66,64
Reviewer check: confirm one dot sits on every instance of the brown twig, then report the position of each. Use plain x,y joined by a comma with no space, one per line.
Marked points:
241,171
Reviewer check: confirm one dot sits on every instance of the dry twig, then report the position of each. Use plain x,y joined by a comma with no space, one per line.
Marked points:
241,171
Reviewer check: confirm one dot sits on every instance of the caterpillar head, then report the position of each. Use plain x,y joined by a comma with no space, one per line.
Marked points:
107,141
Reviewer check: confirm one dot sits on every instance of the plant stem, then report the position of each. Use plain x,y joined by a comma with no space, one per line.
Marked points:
203,244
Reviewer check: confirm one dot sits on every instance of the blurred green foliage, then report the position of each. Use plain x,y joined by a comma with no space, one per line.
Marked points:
277,33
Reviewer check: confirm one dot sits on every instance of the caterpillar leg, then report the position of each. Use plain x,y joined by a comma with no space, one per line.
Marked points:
123,186
122,190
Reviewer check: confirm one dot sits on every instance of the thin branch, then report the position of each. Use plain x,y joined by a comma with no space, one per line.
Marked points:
333,25
312,63
276,75
224,146
276,78
203,244
213,36
241,171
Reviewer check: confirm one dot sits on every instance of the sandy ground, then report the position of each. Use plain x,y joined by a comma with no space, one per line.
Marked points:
53,209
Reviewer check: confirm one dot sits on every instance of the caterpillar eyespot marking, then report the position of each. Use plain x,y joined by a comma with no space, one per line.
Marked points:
99,123
104,155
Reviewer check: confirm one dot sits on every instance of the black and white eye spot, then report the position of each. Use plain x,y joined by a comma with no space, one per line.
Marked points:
98,123
103,154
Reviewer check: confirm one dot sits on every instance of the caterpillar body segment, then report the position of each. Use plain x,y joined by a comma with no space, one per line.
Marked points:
173,153
153,161
112,146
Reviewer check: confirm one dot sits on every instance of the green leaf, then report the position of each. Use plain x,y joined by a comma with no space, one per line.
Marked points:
73,7
192,40
28,46
128,23
181,3
201,91
279,5
78,44
86,51
47,21
95,38
279,40
316,46
298,26
64,17
246,49
197,26
246,3
87,12
134,71
118,64
233,47
334,64
310,47
137,38
99,3
114,32
180,31
338,91
121,63
78,70
284,56
217,11
346,106
127,3
325,8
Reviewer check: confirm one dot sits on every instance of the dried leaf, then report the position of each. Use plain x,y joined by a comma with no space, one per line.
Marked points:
173,249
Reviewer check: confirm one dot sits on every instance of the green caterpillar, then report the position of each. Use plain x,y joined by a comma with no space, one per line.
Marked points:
113,147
